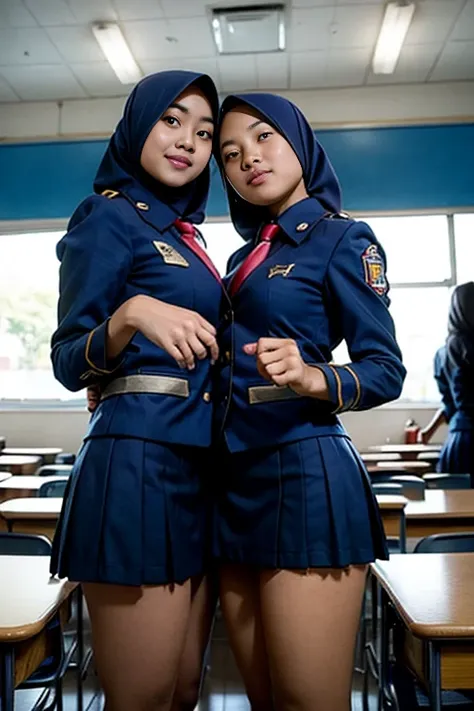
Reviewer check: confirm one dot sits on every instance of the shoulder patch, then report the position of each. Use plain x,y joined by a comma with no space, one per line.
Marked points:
171,255
374,270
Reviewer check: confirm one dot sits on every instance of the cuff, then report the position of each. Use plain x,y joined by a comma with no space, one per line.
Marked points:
96,352
343,385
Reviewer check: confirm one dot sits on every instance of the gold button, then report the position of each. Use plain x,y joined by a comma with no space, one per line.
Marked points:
143,206
227,356
207,397
302,227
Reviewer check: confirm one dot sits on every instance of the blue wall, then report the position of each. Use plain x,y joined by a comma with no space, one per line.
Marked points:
402,168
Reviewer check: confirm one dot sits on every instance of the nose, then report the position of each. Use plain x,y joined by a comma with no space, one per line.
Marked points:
187,141
250,158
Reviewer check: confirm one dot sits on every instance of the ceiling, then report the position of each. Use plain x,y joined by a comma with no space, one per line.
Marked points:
48,52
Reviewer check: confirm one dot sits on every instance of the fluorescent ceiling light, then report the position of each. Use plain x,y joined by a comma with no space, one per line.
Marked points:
249,28
396,21
113,44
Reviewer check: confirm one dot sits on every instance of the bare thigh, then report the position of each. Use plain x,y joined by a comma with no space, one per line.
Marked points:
203,606
240,602
138,635
310,622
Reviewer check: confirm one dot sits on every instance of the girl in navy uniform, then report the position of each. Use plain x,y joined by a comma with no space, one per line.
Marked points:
296,521
454,374
139,302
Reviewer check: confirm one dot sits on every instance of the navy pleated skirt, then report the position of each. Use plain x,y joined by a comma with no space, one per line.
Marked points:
457,455
135,513
305,504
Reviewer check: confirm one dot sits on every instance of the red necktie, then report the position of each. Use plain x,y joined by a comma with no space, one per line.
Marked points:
188,235
255,258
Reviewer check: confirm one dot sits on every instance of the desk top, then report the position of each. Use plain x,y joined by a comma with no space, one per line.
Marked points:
442,503
373,457
34,508
28,596
406,450
32,451
432,592
4,476
404,466
11,460
386,502
26,482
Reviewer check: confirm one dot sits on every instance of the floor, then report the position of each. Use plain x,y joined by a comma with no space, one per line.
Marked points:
223,689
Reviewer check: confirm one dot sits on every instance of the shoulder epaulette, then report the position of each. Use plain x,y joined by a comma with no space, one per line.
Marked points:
110,194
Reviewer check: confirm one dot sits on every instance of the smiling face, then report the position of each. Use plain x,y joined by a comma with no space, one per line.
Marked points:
259,162
179,145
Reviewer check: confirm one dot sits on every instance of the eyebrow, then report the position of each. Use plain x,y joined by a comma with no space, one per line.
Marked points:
231,141
185,110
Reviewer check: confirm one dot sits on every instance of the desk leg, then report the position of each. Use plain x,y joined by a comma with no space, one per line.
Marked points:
435,676
384,651
80,648
7,677
403,533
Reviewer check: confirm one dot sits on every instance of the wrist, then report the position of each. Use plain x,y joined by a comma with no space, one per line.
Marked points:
315,383
131,311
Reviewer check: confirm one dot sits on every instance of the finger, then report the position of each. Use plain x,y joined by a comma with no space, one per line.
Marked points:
263,372
211,344
197,346
250,348
276,368
272,344
177,355
268,357
287,378
188,356
207,326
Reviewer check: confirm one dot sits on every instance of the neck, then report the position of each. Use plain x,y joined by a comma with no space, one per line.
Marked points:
297,195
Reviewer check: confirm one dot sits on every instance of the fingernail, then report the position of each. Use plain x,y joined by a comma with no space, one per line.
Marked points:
191,367
213,362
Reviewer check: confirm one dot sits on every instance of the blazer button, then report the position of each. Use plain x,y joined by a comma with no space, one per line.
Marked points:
207,397
227,356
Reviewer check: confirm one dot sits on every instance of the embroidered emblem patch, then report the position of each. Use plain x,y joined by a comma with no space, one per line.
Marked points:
374,269
171,255
280,270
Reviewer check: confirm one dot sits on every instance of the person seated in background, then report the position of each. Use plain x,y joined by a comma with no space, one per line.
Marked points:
454,374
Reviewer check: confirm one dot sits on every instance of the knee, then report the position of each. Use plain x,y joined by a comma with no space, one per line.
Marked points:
186,697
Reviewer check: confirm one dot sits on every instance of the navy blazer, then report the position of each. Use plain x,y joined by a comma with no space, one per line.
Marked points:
115,249
455,382
323,281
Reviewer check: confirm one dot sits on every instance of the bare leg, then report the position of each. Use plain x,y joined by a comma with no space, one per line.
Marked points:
310,621
138,637
240,604
201,620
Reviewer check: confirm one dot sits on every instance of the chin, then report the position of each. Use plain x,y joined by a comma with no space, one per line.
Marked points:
262,197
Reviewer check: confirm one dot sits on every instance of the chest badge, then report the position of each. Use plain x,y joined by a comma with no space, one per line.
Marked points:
374,268
280,270
171,255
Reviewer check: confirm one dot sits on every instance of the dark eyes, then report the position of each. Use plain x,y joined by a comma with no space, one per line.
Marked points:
173,121
261,137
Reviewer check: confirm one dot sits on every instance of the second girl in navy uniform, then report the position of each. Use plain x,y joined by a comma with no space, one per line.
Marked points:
296,521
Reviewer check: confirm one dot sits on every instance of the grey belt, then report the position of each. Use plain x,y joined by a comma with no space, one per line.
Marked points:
271,393
154,384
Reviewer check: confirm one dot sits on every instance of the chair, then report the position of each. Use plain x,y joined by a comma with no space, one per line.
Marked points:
448,481
446,543
387,488
53,488
24,544
55,470
413,487
65,458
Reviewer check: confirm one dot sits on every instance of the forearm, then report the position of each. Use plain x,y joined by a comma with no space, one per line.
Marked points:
122,327
433,426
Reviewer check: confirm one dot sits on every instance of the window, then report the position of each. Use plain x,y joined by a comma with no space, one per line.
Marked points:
464,238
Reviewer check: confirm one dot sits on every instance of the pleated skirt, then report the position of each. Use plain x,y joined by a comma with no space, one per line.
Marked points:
135,513
300,505
457,455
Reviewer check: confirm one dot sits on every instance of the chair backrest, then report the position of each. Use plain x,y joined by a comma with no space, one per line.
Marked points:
448,481
446,543
24,544
55,470
65,458
53,488
413,486
388,488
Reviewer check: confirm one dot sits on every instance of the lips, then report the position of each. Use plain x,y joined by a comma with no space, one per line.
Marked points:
179,162
257,177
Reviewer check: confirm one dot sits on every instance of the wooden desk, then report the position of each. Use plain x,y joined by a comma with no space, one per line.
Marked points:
442,511
373,457
29,598
401,467
432,596
38,516
4,476
406,451
47,454
19,464
18,487
392,511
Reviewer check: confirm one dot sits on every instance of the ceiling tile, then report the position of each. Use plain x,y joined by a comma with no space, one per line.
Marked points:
455,63
6,92
413,66
87,11
138,9
183,8
238,73
14,14
161,39
272,70
43,82
464,27
309,29
51,12
76,44
338,67
207,65
341,27
99,79
27,46
432,21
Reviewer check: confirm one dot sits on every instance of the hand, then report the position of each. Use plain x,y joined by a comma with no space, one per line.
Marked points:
423,437
182,333
93,397
279,360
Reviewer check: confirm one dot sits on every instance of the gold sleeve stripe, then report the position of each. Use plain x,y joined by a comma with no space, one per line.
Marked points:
340,403
357,382
87,357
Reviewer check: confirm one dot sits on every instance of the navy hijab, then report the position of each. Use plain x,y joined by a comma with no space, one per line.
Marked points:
460,342
120,168
319,176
